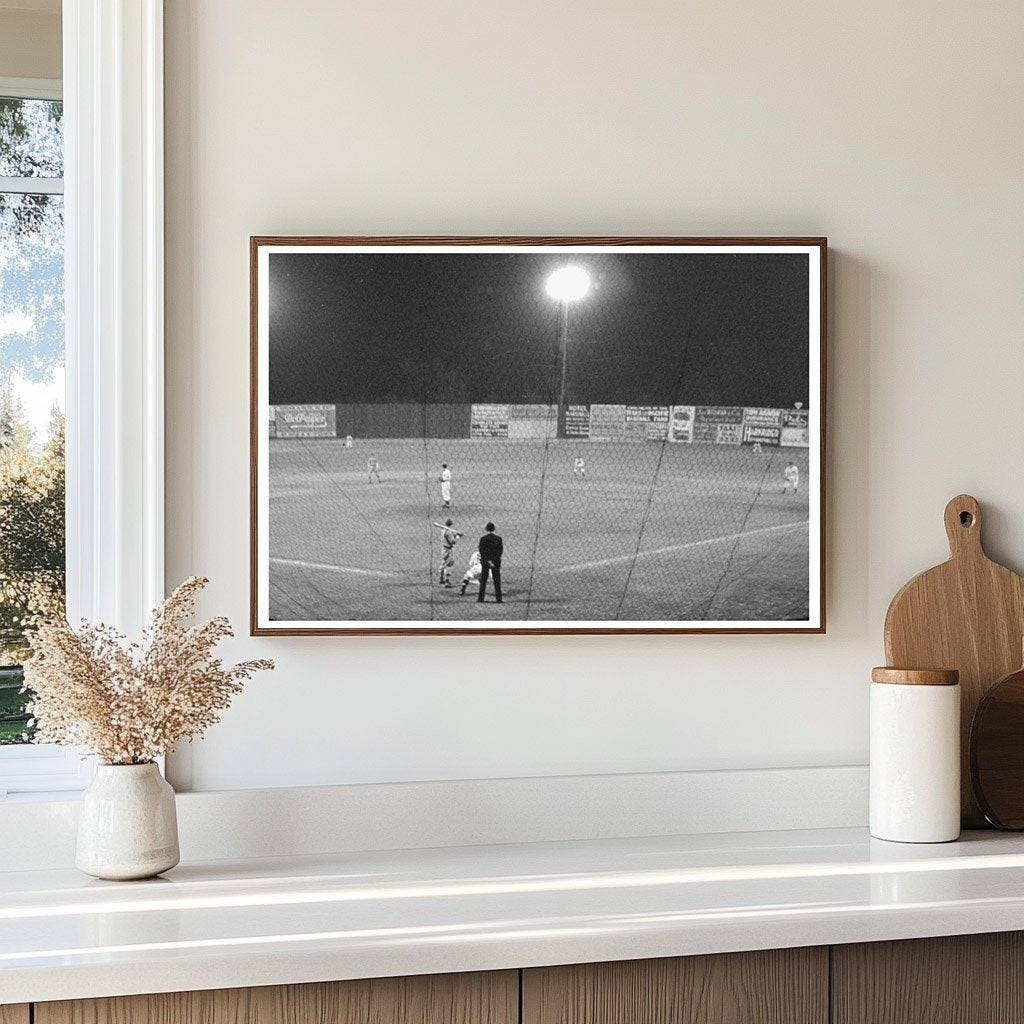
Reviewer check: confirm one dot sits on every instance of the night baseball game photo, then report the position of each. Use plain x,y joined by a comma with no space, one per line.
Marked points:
557,435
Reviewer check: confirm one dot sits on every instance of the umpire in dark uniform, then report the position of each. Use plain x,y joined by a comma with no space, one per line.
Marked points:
491,549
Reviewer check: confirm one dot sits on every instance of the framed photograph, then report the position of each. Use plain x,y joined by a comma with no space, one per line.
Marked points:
537,435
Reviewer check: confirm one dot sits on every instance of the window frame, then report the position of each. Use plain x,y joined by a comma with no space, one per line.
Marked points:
47,89
29,768
112,90
32,89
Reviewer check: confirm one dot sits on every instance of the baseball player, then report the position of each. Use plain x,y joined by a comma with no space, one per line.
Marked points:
791,477
373,469
472,574
449,538
446,485
579,467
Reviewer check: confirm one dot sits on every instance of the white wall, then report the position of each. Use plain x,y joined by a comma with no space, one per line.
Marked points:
895,129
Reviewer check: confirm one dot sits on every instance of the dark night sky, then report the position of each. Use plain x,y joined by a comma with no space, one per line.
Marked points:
663,328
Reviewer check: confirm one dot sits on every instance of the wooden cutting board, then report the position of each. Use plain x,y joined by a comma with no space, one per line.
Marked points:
967,614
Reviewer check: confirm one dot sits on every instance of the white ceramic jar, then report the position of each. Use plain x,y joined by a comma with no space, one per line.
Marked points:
915,755
127,824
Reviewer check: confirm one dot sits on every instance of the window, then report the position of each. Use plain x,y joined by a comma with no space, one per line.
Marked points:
32,549
91,172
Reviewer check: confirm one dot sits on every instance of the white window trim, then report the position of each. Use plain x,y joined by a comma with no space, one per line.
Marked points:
113,170
32,88
32,186
114,322
44,770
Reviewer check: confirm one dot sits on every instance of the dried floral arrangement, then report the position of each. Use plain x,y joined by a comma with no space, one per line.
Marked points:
129,703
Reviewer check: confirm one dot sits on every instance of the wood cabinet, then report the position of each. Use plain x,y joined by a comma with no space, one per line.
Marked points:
970,979
776,986
962,979
483,998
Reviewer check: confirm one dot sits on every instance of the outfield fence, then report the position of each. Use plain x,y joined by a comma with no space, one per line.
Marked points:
501,421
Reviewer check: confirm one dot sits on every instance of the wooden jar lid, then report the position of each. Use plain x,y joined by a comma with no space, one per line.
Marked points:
916,676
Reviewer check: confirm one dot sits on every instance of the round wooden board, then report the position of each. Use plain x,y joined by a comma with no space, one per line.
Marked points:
997,752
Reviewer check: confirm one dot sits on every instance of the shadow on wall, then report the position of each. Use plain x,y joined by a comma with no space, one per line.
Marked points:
855,290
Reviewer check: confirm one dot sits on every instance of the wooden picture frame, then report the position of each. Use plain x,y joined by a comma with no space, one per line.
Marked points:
752,450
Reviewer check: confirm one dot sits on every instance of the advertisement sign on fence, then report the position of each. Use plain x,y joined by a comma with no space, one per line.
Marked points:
646,422
680,428
304,420
532,422
755,434
489,420
761,426
532,412
607,422
796,430
761,417
577,421
709,420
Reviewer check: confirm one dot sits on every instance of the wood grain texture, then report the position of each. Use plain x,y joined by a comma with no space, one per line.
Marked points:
915,676
480,998
14,1013
961,979
779,986
967,614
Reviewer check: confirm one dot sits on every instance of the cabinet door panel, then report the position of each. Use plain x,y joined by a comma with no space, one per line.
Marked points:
14,1013
482,998
778,986
960,979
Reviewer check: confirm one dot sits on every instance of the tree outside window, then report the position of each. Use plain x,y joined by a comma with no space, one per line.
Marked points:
31,387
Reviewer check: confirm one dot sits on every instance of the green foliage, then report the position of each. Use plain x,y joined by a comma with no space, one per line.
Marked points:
30,147
31,545
31,348
32,508
31,242
13,725
30,138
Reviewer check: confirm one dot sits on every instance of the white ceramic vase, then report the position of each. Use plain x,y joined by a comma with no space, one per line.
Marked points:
127,825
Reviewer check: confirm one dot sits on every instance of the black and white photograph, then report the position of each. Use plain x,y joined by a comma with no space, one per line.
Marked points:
537,435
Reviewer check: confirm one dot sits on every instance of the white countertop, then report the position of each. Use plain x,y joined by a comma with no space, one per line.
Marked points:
261,922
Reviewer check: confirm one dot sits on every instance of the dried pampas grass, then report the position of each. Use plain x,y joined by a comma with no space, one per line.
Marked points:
129,703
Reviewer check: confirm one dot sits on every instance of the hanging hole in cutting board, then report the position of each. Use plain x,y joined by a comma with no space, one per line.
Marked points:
966,519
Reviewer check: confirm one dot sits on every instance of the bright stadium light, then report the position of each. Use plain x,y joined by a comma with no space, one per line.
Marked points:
567,284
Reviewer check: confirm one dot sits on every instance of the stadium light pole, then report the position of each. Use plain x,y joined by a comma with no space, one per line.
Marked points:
567,284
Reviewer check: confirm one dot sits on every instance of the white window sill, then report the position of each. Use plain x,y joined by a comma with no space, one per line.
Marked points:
36,772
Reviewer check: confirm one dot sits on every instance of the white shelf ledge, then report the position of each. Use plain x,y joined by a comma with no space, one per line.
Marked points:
354,915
